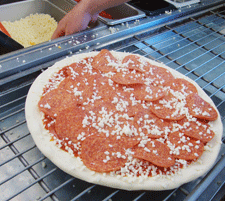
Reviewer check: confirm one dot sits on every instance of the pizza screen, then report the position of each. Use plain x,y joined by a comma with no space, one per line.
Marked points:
127,117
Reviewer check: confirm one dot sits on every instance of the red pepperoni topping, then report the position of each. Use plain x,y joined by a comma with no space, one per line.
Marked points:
151,125
183,86
124,126
159,76
128,77
104,61
200,108
133,62
55,101
169,107
105,154
184,147
155,152
105,15
69,124
197,129
148,92
103,88
75,69
70,92
80,88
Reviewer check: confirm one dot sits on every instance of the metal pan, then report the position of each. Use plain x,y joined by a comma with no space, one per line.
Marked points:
16,11
120,14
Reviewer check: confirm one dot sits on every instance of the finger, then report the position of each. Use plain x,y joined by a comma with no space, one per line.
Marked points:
72,28
94,17
60,31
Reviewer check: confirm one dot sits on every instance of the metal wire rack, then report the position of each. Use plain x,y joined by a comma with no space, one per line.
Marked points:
194,46
182,3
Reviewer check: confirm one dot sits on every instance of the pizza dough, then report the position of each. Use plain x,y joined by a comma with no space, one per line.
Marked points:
76,167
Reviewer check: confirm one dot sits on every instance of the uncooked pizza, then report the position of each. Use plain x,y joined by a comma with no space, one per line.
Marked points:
124,121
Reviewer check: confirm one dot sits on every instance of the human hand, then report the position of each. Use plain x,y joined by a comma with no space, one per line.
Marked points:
80,16
76,20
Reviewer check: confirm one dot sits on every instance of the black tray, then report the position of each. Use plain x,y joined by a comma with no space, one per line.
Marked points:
7,44
153,8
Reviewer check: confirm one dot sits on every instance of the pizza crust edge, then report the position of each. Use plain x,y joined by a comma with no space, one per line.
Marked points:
74,166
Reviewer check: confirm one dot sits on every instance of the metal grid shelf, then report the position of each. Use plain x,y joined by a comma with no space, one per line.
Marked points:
194,47
182,3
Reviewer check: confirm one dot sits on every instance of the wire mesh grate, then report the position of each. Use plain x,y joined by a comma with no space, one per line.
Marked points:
182,3
194,47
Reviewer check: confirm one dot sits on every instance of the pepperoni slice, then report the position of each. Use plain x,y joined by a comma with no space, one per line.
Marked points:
69,124
134,109
124,126
100,107
106,117
155,152
105,154
70,92
55,80
126,93
81,88
107,89
55,101
183,86
105,61
75,69
158,76
151,125
128,77
65,123
184,147
200,108
169,107
103,88
82,68
148,92
199,130
133,62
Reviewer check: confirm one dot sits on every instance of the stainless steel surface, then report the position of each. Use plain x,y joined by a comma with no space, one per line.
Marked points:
182,3
122,13
193,44
16,11
65,5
